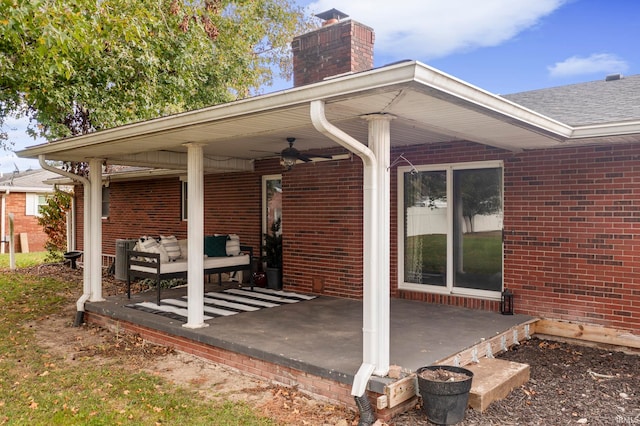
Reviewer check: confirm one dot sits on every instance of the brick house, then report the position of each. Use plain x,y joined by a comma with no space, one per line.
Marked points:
22,194
457,193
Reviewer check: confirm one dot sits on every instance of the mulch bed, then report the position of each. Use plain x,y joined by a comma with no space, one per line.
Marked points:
570,384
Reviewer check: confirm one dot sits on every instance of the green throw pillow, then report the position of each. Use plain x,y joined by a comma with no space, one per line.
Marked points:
215,246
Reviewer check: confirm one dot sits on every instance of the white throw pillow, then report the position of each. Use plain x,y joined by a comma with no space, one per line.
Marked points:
233,245
184,248
171,246
150,245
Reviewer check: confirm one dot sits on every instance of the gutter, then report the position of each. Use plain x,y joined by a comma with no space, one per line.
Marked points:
370,329
86,282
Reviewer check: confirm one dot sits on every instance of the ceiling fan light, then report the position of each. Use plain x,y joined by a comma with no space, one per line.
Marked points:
289,157
288,162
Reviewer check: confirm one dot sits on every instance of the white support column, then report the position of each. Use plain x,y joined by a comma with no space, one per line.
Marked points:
3,231
195,235
94,247
380,144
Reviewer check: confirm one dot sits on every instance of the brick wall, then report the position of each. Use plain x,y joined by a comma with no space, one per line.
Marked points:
322,388
572,222
232,204
16,204
573,234
326,389
322,228
335,49
572,231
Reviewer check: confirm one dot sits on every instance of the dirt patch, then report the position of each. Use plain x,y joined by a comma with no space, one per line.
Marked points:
90,343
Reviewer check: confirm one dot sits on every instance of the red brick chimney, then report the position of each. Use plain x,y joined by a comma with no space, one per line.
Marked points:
340,46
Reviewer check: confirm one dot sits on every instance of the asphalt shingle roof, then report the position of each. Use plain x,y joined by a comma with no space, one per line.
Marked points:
595,102
28,179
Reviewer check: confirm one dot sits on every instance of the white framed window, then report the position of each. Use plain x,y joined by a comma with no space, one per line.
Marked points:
34,203
106,202
271,201
450,220
184,201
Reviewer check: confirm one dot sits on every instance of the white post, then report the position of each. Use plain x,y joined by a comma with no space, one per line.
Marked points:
195,235
94,248
12,250
380,144
3,231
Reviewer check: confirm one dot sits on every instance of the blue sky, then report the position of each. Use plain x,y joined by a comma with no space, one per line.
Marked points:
503,46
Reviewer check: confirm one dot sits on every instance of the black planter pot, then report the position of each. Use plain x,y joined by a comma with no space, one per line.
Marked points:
274,278
444,403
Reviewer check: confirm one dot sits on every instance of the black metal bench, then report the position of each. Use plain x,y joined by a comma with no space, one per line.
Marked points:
147,265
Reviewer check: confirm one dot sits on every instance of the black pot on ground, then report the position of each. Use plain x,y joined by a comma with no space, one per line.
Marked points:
444,402
274,278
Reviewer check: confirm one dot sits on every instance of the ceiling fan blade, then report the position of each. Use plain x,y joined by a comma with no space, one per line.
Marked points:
316,155
304,157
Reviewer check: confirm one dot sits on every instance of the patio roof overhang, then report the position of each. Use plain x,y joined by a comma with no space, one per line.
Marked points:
428,105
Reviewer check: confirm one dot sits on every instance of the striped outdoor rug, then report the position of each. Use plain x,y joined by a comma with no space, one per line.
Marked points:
222,304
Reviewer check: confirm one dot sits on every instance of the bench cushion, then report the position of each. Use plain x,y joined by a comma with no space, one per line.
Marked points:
209,263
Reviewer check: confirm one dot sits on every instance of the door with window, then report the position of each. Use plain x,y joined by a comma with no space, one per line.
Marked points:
450,225
271,202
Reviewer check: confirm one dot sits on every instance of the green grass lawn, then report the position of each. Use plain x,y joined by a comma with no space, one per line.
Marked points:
23,260
38,388
482,252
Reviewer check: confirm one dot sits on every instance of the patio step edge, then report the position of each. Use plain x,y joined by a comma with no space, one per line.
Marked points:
494,379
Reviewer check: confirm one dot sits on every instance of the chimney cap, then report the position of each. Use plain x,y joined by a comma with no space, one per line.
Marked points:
331,14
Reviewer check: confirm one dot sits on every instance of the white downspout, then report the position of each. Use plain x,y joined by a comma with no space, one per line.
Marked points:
86,272
370,333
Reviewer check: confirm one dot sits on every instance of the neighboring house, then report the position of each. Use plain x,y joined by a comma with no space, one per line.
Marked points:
548,181
22,194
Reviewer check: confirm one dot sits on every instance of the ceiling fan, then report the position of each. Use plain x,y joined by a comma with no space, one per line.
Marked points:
290,155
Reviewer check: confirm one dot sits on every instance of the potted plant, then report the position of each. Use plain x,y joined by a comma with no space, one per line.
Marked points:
272,249
445,392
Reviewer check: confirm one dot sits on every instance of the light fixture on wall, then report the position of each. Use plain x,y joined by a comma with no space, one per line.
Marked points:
506,302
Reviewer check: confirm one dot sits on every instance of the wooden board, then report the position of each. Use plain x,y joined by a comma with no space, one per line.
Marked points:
402,390
499,343
590,333
493,379
24,242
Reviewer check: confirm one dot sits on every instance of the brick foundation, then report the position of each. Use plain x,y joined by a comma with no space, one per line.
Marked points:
324,389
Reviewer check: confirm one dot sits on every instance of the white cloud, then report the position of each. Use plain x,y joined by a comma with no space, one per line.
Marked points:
18,140
596,63
427,29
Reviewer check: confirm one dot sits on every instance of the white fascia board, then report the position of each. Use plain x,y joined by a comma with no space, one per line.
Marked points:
125,176
178,161
286,98
608,129
459,89
328,90
40,189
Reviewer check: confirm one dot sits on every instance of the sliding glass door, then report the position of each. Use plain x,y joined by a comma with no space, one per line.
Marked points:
451,228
